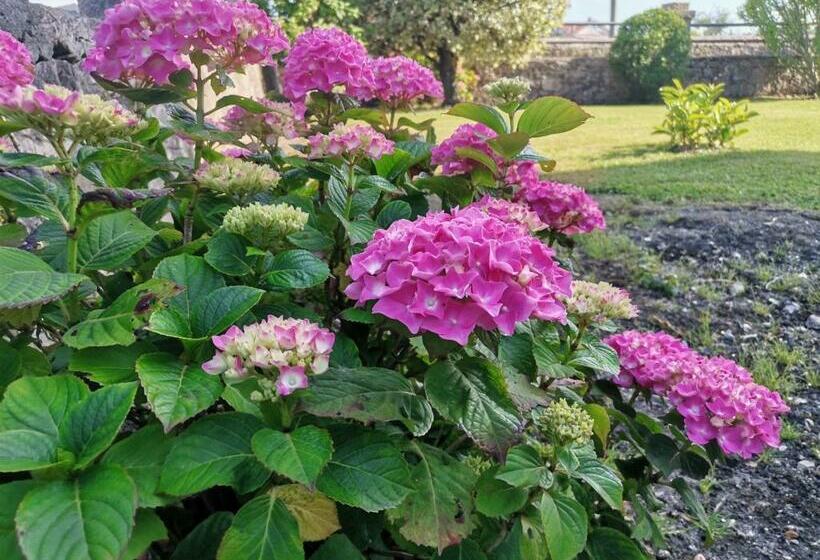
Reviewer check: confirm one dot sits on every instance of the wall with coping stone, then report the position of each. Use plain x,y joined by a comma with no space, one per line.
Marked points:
579,69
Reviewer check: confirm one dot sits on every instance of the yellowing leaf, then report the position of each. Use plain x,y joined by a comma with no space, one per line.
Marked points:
314,512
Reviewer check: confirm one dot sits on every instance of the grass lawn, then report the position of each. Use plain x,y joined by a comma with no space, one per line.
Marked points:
777,162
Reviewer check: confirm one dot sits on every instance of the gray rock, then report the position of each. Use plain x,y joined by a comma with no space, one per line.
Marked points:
95,8
805,464
737,288
791,308
813,322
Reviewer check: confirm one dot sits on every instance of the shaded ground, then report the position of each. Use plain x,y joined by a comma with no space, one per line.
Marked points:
739,282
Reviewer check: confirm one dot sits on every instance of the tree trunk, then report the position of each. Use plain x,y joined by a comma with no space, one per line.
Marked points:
446,63
270,79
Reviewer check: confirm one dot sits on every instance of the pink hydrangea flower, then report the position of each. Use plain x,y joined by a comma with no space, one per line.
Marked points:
512,212
652,360
400,80
265,128
145,41
322,59
474,136
16,68
351,142
235,152
565,208
451,272
288,349
39,102
522,173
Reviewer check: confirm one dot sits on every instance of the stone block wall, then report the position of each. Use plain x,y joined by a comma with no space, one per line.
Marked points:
579,69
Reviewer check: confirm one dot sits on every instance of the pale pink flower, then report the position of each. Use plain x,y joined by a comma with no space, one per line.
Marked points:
16,68
350,142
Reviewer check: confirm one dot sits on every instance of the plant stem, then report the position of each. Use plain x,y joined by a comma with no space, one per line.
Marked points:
188,223
71,218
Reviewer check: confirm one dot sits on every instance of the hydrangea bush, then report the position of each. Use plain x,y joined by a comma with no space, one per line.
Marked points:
324,334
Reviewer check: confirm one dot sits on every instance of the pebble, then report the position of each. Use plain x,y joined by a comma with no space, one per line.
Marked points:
813,322
737,288
805,464
663,554
791,308
791,534
699,557
727,336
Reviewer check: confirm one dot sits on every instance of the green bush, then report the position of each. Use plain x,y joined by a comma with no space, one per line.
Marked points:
650,50
698,116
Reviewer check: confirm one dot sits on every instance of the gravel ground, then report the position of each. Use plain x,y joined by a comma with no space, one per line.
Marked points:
738,282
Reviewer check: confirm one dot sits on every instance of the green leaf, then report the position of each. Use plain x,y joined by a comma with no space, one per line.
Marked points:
115,325
142,455
473,393
92,424
377,182
12,159
176,391
113,364
661,451
395,165
523,542
368,395
479,157
453,191
193,275
525,468
148,528
465,550
601,423
361,230
483,114
223,307
246,103
262,529
496,498
438,513
691,501
314,512
551,115
592,471
366,471
606,543
392,212
214,451
228,253
12,235
598,356
311,239
565,526
11,494
299,455
35,194
203,542
358,315
337,547
509,145
26,280
296,269
88,518
26,450
40,404
108,241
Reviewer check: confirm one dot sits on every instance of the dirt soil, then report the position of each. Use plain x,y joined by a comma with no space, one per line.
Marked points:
734,282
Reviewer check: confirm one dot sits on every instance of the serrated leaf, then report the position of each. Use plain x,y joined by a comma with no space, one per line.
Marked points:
315,514
296,269
26,280
523,542
366,471
14,159
438,512
480,157
601,423
337,547
392,212
110,240
596,355
368,395
40,404
214,451
601,478
565,526
483,114
466,550
12,235
142,455
88,518
26,450
192,274
246,103
262,529
525,468
496,498
176,391
551,115
148,528
358,315
203,542
606,543
509,145
299,455
473,393
35,194
93,423
11,494
113,364
228,254
377,182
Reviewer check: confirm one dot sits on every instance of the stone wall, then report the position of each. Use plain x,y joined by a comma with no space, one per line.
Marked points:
579,69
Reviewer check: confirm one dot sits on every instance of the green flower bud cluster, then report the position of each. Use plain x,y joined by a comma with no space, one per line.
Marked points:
563,423
507,90
266,392
600,301
237,178
264,225
99,120
476,463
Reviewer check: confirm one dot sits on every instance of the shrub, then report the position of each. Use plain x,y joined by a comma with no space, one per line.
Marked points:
290,356
698,116
651,49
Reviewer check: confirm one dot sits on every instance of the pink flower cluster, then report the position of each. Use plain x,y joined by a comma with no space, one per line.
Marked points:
475,136
400,80
290,349
522,173
16,69
511,212
148,40
39,102
322,59
716,397
265,128
351,142
451,272
564,208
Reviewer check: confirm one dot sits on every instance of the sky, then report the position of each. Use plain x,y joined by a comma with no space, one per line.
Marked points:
582,10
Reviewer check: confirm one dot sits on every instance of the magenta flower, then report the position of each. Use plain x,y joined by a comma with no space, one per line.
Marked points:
511,212
40,102
450,273
522,173
350,142
400,80
145,41
265,128
653,360
465,136
322,59
16,68
564,208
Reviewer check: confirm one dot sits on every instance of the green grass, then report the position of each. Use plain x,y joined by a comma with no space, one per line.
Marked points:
777,162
